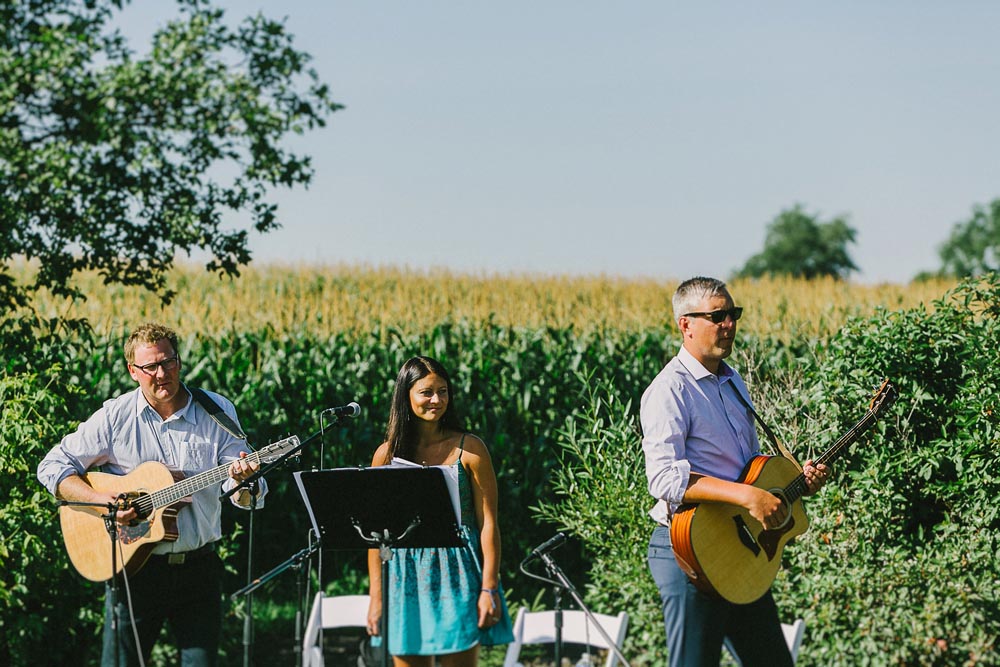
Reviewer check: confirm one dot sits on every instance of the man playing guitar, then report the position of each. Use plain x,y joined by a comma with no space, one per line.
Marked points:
181,581
698,434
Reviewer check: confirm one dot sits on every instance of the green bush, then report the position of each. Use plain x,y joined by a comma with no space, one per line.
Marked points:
603,503
38,589
899,565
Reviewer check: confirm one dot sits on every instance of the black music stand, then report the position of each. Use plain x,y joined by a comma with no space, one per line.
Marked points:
384,507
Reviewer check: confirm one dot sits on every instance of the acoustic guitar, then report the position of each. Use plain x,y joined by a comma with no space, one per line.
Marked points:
157,494
728,553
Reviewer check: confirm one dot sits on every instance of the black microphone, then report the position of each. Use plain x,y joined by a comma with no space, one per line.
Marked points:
545,547
352,409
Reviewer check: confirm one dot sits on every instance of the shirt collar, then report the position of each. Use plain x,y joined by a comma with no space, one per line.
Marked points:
699,372
186,413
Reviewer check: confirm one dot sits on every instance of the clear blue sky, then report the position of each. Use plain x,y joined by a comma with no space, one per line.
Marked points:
636,138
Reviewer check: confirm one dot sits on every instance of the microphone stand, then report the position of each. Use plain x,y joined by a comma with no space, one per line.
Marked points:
560,582
250,483
295,561
248,636
111,525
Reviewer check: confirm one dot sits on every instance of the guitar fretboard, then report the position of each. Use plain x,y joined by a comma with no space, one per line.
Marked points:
798,487
154,500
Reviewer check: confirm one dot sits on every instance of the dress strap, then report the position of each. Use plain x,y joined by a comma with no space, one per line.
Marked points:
461,447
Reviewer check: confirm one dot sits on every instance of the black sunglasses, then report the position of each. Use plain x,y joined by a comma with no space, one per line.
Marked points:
719,316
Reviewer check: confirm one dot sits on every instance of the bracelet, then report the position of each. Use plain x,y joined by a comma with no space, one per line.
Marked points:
491,591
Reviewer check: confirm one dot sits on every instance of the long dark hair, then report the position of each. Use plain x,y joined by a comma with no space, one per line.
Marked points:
401,431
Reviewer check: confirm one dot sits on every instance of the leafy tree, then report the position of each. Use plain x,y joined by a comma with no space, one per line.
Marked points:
799,245
974,245
115,162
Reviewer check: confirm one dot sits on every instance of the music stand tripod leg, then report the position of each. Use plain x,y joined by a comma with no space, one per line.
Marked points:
385,554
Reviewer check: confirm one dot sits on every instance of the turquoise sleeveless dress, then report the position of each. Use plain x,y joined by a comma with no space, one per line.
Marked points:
434,592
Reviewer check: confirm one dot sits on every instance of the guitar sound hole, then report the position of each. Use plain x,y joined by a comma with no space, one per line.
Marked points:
143,506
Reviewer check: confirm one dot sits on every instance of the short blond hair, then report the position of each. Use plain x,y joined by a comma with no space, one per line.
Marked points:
148,333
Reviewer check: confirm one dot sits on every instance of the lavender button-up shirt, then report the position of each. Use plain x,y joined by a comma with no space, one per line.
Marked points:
693,421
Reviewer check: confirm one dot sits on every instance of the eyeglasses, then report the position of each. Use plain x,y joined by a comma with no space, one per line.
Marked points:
719,316
168,365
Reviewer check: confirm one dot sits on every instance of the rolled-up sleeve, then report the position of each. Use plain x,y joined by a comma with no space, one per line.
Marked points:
77,453
664,431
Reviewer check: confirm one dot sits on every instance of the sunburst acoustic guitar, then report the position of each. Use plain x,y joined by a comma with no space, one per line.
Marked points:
157,493
725,551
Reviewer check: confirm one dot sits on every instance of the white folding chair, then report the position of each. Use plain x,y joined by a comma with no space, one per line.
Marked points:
793,637
538,627
339,611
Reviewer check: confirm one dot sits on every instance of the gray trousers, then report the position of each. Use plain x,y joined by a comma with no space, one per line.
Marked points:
698,624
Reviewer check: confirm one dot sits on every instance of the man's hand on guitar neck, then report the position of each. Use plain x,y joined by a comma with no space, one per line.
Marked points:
815,475
74,489
239,471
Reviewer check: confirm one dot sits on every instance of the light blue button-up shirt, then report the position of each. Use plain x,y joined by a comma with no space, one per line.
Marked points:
126,431
693,421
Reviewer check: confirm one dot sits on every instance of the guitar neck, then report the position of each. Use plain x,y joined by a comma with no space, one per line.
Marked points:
798,487
191,485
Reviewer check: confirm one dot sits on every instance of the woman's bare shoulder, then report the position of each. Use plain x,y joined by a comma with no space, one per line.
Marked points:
475,449
381,456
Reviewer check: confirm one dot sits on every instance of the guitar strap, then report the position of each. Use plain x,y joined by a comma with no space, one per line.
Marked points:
217,413
767,431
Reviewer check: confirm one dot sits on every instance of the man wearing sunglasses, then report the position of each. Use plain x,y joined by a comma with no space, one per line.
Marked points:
698,434
159,421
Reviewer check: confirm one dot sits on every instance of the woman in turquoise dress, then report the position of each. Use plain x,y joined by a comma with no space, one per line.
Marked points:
443,602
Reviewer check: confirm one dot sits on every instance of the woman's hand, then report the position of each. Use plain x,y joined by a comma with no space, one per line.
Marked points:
374,615
489,608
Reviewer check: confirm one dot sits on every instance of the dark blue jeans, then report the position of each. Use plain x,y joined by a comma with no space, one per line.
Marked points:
698,624
189,596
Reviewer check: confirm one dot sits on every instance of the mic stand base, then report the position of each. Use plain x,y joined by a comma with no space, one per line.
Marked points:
556,573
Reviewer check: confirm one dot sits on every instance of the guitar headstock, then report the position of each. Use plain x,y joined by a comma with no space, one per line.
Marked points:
884,397
278,449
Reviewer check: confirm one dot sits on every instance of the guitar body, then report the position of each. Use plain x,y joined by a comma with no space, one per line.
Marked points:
725,551
86,535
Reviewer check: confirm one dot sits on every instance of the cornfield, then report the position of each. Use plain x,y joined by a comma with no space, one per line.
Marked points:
357,300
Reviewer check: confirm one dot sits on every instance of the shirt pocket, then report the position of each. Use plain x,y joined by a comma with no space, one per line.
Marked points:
196,456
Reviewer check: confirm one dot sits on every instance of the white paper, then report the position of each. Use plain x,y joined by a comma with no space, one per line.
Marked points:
450,479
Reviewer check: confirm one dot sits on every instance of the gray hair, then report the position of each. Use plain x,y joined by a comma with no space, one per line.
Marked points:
693,291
